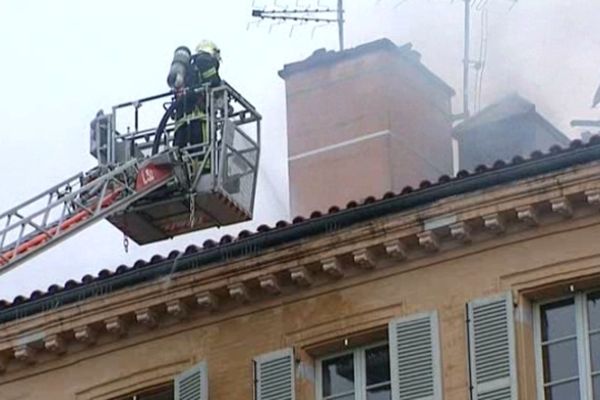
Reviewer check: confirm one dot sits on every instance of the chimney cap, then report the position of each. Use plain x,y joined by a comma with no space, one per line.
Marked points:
322,57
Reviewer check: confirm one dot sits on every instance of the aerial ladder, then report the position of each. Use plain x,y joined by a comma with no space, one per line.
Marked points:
143,185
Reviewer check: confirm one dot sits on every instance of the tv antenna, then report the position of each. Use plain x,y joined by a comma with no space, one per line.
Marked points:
316,14
479,64
468,62
586,123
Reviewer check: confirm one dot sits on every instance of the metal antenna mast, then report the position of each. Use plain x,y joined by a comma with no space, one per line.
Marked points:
467,62
303,15
480,5
466,59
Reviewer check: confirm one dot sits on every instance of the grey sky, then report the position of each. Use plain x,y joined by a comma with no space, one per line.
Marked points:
63,60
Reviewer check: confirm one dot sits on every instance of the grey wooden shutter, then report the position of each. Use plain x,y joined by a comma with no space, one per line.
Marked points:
492,349
274,375
415,358
192,384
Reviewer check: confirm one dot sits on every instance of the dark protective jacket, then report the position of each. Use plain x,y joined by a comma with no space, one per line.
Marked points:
206,68
203,68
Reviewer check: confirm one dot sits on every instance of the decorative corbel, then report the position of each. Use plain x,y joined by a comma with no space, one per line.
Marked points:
116,326
461,231
332,267
364,258
527,214
239,292
562,206
25,353
429,241
270,284
85,334
177,308
395,249
301,276
55,344
494,223
207,301
146,317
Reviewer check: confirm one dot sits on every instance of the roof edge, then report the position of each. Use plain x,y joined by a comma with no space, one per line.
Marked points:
553,130
473,121
320,225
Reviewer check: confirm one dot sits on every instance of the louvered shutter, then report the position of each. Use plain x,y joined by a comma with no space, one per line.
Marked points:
415,358
275,375
192,384
492,349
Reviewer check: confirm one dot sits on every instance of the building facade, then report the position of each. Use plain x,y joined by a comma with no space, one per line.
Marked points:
482,286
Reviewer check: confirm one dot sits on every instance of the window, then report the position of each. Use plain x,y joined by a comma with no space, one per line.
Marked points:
491,339
190,384
568,348
161,393
274,375
360,374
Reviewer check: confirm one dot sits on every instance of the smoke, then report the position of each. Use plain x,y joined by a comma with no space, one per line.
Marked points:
545,52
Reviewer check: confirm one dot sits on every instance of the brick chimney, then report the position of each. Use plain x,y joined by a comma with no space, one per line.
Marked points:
362,122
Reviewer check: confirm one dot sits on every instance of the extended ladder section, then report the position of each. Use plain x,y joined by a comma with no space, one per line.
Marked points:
71,206
143,185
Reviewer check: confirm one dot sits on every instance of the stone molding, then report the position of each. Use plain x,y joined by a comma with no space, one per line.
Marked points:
346,254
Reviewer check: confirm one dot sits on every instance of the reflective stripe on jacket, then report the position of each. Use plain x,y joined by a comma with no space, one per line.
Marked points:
197,113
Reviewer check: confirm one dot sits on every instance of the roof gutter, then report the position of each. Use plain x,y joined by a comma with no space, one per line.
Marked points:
259,242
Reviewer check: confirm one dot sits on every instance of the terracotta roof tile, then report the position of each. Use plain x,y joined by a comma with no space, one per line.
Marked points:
262,229
283,224
121,269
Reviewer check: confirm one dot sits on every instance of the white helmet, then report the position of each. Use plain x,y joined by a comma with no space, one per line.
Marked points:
209,47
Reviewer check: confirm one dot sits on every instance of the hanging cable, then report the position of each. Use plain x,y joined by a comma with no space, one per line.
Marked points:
161,127
483,55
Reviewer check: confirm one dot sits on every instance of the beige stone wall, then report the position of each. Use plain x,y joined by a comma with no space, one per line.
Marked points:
533,261
349,306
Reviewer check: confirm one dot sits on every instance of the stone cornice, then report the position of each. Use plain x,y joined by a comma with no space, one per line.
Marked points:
297,270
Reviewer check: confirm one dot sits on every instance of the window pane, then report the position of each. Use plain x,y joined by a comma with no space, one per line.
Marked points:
380,393
344,397
560,360
595,351
593,306
558,320
378,365
564,391
338,375
163,393
596,384
166,394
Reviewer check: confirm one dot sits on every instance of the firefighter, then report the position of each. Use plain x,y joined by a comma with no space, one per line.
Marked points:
188,74
99,136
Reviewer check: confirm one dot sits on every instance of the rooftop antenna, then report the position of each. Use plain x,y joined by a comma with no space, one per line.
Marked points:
466,58
587,123
468,63
302,15
479,64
